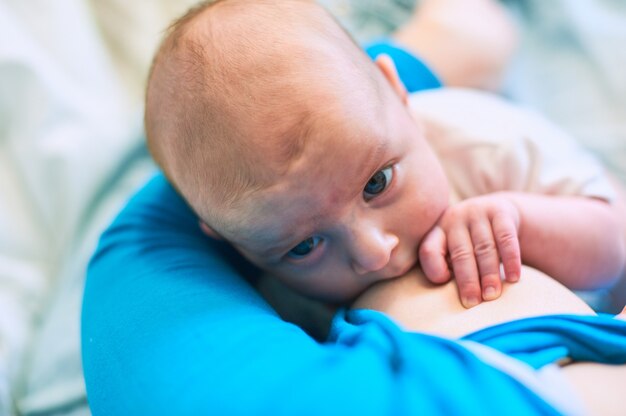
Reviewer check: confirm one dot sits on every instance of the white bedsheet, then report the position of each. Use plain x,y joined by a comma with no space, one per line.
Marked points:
71,151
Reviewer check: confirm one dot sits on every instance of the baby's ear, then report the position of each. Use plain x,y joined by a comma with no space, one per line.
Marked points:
209,231
388,68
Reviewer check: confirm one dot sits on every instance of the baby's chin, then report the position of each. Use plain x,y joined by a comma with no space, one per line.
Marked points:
408,268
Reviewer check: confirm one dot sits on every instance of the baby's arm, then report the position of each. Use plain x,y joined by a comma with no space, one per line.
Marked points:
576,240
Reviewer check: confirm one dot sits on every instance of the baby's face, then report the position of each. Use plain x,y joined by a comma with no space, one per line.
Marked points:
352,209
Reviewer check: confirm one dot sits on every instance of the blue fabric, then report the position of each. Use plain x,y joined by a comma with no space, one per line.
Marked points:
170,328
543,340
413,72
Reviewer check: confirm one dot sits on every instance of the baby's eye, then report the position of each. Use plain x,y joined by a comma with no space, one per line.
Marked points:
305,247
378,183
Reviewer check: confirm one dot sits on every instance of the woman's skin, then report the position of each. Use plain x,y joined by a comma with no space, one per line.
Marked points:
418,305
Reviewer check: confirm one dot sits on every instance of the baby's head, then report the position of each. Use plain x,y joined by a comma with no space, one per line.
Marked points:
289,143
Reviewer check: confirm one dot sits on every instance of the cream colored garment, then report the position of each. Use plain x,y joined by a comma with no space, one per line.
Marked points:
487,145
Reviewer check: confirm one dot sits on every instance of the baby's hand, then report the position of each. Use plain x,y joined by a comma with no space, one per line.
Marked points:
470,241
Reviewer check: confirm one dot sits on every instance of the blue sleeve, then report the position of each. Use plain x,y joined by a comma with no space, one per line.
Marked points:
413,72
542,340
170,327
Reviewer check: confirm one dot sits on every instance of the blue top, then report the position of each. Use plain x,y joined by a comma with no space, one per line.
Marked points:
415,75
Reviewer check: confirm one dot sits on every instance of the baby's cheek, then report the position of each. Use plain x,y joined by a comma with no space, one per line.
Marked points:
310,283
425,218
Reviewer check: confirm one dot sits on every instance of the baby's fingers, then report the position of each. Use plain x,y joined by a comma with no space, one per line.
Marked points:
487,259
464,265
432,255
505,233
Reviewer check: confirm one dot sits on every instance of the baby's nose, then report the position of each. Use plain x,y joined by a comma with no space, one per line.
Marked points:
372,250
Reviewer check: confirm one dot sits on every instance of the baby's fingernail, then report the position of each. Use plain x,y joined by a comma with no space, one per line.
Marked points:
490,293
512,277
470,302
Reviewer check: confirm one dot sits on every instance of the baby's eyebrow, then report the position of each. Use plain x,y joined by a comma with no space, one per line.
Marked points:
380,150
272,243
272,252
373,161
377,154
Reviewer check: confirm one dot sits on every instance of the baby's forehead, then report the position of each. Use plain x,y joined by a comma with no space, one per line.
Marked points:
307,119
291,161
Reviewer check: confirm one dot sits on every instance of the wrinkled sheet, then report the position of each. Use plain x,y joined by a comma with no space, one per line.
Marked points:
71,152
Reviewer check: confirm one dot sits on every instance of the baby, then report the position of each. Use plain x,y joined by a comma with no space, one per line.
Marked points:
313,162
